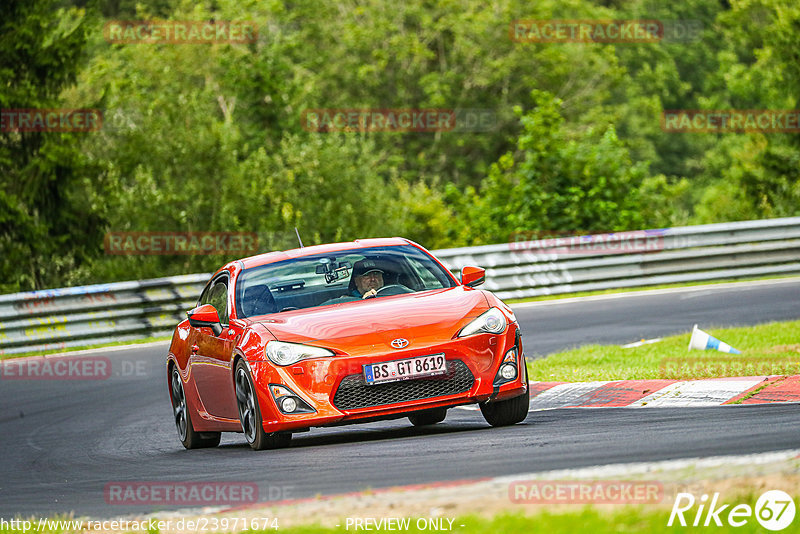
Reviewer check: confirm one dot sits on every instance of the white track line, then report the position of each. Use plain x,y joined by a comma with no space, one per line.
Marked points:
564,395
711,392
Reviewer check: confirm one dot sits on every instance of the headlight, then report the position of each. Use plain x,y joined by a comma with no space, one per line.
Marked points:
492,321
282,353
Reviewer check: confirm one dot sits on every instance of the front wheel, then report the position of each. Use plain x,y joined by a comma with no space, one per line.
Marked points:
183,421
250,414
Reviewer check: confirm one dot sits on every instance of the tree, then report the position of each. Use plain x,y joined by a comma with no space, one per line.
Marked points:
755,175
559,181
50,217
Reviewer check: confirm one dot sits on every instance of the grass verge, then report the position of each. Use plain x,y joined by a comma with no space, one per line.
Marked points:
487,506
768,349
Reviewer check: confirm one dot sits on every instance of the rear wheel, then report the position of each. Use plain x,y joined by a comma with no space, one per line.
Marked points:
183,421
510,411
428,417
250,414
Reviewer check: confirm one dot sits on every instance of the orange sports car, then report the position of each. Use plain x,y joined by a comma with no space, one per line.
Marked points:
341,333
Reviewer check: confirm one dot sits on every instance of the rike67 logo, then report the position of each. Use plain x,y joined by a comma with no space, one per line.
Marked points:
774,510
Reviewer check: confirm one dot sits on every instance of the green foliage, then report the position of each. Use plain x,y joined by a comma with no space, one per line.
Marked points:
208,137
560,181
755,175
50,220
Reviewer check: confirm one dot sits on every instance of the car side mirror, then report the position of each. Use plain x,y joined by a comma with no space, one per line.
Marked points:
205,315
473,276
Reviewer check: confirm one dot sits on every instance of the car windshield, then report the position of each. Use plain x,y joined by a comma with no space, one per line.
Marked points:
331,278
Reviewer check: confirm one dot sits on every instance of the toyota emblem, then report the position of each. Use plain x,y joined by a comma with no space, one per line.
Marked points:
399,343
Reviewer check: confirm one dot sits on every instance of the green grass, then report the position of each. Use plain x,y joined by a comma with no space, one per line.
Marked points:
84,347
642,288
772,348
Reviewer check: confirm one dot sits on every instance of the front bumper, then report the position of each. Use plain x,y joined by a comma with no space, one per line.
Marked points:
336,390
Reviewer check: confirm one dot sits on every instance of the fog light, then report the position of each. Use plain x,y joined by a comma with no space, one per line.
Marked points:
288,404
508,371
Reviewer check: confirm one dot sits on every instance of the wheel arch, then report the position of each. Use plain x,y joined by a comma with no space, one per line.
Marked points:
171,364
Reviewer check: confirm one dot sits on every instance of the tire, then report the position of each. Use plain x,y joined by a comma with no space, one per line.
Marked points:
428,417
183,419
250,414
510,411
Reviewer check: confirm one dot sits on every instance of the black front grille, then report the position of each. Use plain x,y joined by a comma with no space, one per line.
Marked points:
354,392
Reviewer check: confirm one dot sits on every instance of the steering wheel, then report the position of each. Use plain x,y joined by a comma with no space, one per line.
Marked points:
393,289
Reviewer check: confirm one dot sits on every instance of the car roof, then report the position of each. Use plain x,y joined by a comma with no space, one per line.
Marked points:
271,257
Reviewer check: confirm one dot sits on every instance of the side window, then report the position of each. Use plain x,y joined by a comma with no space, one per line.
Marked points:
429,280
204,296
217,296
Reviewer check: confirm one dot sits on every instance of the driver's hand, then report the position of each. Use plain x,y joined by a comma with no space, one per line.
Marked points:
369,294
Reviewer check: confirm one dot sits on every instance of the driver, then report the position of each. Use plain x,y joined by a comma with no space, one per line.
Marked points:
367,279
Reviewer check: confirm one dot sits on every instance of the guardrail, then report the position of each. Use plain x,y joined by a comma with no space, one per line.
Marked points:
103,313
79,316
630,259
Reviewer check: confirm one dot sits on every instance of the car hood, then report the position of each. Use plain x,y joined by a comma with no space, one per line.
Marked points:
423,318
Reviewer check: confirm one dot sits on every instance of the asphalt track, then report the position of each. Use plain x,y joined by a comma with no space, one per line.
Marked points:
63,441
556,325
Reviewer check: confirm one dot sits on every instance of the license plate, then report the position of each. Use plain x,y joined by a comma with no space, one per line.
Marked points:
379,373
